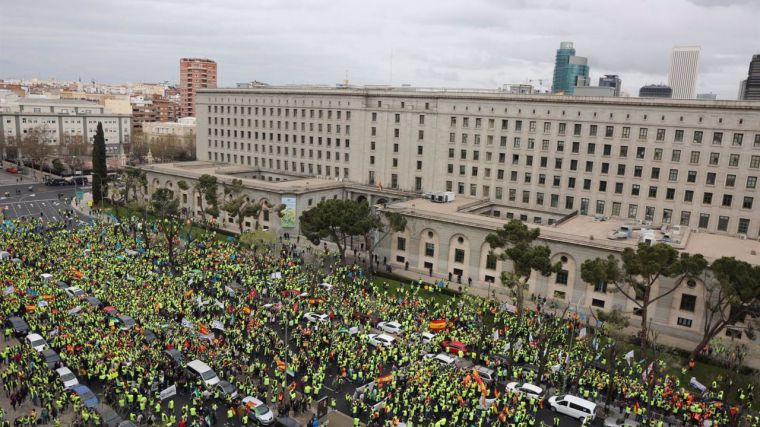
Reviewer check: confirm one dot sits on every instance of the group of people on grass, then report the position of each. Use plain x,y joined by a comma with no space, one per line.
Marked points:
243,313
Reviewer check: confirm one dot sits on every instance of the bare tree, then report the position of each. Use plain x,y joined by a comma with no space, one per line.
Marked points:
34,146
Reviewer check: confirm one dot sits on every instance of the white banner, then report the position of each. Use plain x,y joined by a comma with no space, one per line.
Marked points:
168,392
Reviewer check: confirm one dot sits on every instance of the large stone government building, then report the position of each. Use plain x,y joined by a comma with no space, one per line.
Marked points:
679,171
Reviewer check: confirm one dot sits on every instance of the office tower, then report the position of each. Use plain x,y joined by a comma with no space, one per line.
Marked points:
656,91
569,70
611,80
742,85
194,74
682,74
752,85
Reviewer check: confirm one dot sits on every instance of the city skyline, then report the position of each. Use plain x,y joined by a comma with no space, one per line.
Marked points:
430,44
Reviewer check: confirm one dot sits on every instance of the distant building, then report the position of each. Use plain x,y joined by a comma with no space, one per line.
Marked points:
594,91
519,89
707,96
656,91
182,129
157,109
251,85
63,122
742,85
194,74
752,85
682,74
611,80
569,70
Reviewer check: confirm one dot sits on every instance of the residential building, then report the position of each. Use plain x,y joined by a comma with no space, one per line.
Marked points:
660,161
682,74
611,80
655,91
569,70
194,74
183,128
152,110
752,85
63,122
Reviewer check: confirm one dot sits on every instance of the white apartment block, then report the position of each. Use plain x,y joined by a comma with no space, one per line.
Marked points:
64,121
683,71
666,162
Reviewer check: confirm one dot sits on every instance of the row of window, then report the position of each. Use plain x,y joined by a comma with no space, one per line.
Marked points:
278,112
305,168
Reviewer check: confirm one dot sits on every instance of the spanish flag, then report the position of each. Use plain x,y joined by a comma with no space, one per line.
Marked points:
384,379
202,328
438,325
281,365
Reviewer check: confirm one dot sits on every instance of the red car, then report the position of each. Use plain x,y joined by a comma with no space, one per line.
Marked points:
11,169
454,347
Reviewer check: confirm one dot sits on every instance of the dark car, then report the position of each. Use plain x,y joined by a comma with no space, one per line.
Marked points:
94,302
127,322
19,326
51,358
148,336
89,399
177,357
108,417
57,182
80,180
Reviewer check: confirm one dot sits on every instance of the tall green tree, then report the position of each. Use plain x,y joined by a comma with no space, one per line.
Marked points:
165,207
99,167
389,222
337,219
206,187
639,273
731,295
517,242
239,206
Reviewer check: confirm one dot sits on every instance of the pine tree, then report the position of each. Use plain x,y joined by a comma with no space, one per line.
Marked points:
99,167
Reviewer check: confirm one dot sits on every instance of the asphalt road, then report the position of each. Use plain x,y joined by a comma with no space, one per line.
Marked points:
17,200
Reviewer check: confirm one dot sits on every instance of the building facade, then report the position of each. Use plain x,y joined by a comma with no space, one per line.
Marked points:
152,110
182,129
194,74
569,70
751,87
683,70
611,80
64,122
655,91
688,163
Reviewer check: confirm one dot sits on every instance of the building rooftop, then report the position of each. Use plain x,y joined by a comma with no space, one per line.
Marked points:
585,230
475,94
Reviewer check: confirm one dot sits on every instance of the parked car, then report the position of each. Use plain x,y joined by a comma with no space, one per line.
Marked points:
202,370
67,377
316,317
108,417
573,406
11,169
390,327
51,358
454,347
427,337
37,342
148,336
486,374
74,291
19,326
527,389
227,389
127,322
88,398
443,359
381,340
260,411
94,302
620,422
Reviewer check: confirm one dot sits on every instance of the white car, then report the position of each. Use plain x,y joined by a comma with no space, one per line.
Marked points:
37,342
326,286
573,406
527,389
390,327
381,340
262,413
316,317
442,358
427,337
203,371
67,377
74,291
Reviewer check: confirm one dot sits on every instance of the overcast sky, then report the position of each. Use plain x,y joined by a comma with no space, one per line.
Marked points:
452,43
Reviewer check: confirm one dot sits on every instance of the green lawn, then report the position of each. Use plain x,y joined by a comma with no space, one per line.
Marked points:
432,296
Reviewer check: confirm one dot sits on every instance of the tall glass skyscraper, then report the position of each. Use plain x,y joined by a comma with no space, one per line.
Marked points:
569,70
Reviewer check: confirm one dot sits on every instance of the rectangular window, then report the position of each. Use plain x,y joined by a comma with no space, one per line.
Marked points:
491,262
743,226
714,159
688,302
697,137
684,322
626,132
459,255
754,162
722,223
592,130
747,202
704,220
751,182
717,138
562,277
738,139
679,135
685,218
401,244
660,135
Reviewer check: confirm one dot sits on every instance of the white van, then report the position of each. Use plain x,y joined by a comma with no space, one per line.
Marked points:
573,406
203,371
